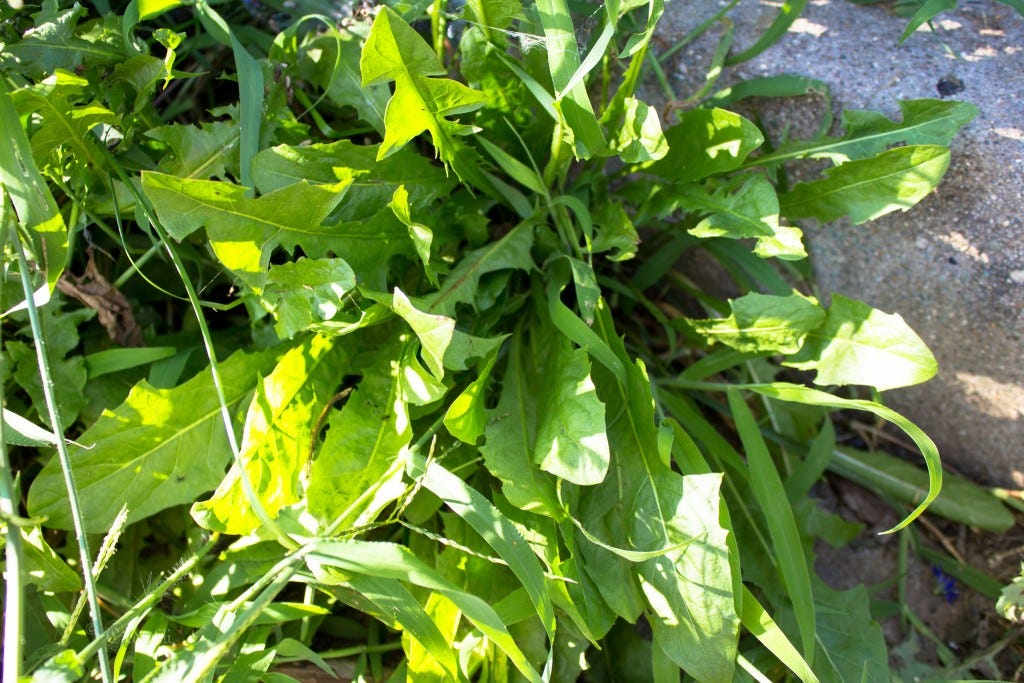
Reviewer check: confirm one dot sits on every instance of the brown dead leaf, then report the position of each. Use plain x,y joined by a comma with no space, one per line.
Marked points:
112,309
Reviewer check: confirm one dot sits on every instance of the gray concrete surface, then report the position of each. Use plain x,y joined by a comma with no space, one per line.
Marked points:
954,265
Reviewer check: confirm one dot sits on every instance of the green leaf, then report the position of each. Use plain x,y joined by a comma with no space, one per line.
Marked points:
510,436
63,123
869,188
21,432
278,437
571,442
161,447
925,13
688,590
33,202
331,61
851,646
466,417
751,210
244,231
788,13
706,142
770,495
358,470
960,500
495,529
640,138
435,332
374,182
760,624
44,568
304,292
395,52
571,99
800,394
858,344
422,236
511,252
205,151
764,323
68,371
389,561
51,44
115,360
867,133
614,232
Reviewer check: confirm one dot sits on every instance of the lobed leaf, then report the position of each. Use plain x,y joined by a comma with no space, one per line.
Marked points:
278,437
159,448
395,52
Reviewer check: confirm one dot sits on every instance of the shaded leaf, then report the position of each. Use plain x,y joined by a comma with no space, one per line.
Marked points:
359,468
374,182
205,151
245,231
640,138
307,291
867,133
571,442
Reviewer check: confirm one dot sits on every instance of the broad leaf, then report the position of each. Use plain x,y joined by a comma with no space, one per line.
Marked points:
511,433
395,52
571,442
63,122
245,231
706,142
511,252
205,151
331,61
359,468
866,189
851,646
764,323
858,344
466,417
373,182
278,438
305,292
52,44
159,448
687,590
390,561
640,138
750,210
867,133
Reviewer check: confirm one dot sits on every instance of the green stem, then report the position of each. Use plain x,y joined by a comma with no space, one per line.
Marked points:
697,32
13,607
63,456
147,602
218,384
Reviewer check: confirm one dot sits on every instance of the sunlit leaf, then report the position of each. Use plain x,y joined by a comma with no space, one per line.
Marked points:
159,448
858,344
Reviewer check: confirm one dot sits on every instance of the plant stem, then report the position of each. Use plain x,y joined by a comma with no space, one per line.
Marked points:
62,454
13,607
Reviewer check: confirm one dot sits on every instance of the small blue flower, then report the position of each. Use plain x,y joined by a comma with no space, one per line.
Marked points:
947,584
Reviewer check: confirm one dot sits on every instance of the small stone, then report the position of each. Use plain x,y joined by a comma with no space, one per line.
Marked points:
921,243
1017,276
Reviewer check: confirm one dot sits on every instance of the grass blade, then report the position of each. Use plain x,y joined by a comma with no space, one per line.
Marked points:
771,496
758,622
